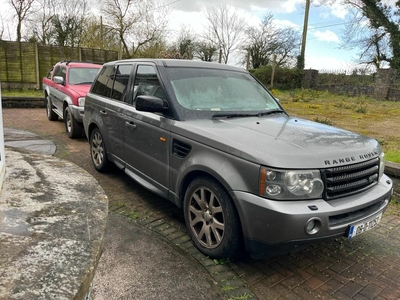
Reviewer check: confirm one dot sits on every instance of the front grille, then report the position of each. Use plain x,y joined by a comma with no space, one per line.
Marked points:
351,179
355,215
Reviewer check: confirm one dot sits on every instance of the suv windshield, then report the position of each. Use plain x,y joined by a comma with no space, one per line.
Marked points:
82,75
219,91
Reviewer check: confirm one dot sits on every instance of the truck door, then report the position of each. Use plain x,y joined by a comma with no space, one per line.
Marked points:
57,90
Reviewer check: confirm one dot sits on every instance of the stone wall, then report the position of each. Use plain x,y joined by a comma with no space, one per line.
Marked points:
384,81
383,88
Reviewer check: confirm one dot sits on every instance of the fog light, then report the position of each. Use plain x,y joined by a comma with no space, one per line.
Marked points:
273,190
313,226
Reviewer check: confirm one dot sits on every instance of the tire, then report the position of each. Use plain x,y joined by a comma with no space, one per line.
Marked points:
98,151
212,219
72,127
51,115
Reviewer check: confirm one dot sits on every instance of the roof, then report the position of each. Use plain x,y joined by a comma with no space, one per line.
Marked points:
79,64
180,63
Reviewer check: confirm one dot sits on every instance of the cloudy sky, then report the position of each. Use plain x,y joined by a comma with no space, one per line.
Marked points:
326,24
325,32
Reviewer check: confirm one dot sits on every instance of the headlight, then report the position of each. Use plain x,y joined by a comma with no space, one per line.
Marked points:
381,165
290,184
81,101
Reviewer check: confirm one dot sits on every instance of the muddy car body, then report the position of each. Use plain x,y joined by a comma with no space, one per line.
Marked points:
211,139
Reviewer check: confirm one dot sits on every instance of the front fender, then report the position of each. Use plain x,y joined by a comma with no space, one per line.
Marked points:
234,173
67,101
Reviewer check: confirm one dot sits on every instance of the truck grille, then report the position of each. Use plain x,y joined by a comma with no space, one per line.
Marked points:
351,179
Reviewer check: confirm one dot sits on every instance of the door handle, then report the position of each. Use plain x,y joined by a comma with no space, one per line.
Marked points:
130,124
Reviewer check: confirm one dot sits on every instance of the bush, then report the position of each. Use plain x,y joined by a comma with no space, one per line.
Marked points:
285,78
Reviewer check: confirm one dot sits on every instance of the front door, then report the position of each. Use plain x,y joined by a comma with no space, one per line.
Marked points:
147,136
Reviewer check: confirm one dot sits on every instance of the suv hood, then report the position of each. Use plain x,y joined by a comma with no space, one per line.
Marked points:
281,141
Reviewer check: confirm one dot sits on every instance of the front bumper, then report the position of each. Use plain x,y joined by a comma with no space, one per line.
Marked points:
77,112
278,227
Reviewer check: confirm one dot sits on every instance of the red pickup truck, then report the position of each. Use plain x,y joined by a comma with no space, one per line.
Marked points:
65,88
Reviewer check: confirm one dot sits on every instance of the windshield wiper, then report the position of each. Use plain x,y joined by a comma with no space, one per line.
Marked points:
234,115
244,115
269,112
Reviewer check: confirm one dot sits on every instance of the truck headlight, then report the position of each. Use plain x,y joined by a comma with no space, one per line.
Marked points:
81,101
381,165
290,184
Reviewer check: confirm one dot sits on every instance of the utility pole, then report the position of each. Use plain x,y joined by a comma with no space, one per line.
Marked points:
301,63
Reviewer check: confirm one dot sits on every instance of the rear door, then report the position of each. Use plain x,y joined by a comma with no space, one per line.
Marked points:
110,91
147,135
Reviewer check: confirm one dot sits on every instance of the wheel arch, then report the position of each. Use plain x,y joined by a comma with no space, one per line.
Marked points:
231,172
91,127
202,173
66,102
235,244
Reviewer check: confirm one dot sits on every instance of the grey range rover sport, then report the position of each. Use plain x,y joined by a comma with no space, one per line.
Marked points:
211,139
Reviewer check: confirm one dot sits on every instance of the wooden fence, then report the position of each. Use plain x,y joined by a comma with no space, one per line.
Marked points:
23,65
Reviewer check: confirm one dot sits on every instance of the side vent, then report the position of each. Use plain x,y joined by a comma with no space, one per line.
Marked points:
180,149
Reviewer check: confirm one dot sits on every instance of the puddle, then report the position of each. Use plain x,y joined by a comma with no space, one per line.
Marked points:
12,221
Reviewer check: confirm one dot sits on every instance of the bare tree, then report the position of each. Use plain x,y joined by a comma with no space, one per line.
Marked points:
151,26
1,27
184,45
288,46
374,29
225,28
40,24
22,10
260,42
267,41
68,23
99,35
137,23
118,13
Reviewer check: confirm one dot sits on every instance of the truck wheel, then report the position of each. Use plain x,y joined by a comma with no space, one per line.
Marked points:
51,115
212,219
72,127
98,151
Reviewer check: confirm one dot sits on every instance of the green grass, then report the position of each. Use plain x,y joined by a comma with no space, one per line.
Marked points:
393,156
377,119
22,93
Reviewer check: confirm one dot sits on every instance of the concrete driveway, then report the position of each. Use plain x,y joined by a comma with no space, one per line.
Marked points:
367,267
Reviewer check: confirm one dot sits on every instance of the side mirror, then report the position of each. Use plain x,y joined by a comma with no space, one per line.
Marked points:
151,104
58,80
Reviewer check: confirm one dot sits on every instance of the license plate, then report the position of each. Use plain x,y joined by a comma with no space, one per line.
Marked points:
364,226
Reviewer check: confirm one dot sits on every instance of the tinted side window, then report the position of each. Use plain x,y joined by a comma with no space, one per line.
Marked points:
121,78
147,83
104,82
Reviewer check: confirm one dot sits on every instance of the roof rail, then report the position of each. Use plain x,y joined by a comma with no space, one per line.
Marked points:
67,62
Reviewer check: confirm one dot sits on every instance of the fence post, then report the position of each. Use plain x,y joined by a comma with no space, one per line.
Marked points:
2,152
37,66
383,83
